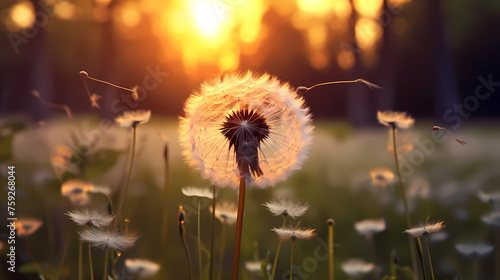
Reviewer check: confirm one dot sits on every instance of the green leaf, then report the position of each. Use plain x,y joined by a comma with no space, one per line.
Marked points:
100,163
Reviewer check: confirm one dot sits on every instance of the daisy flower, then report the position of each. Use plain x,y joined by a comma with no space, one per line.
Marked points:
27,226
382,177
474,250
287,233
110,238
198,192
245,126
282,207
398,119
369,227
426,229
357,268
133,118
87,217
141,267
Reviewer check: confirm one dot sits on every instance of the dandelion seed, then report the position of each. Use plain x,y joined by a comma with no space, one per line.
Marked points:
246,126
357,268
382,177
283,207
428,228
63,107
226,212
141,267
289,233
474,250
133,118
93,100
436,128
372,86
492,218
369,227
108,239
90,217
397,119
255,268
85,75
60,160
27,226
135,93
198,192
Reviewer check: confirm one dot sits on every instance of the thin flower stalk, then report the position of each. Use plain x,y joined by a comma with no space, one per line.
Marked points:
372,86
291,260
222,248
277,251
436,128
63,258
105,273
212,241
200,265
429,255
421,256
80,260
90,263
134,90
239,228
403,195
127,176
182,232
51,105
331,223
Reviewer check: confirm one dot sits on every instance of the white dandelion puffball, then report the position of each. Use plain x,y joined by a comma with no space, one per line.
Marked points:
245,126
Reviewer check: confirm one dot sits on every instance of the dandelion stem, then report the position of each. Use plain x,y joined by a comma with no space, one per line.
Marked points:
108,83
114,259
63,107
370,85
104,277
222,247
213,237
63,258
188,255
164,227
330,249
476,269
291,261
405,203
429,255
239,227
199,239
129,171
277,251
497,253
421,256
90,263
80,261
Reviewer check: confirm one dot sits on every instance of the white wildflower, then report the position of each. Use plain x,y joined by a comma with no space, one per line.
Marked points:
282,207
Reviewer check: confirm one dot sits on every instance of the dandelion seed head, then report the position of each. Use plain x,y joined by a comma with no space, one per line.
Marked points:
133,118
77,191
197,191
475,250
141,267
245,126
286,207
382,177
302,89
287,233
357,268
369,227
90,217
226,212
398,119
108,238
27,226
330,222
428,228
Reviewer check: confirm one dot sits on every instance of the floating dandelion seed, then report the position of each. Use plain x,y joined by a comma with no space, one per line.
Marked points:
60,160
382,177
63,107
428,228
247,126
135,93
398,119
198,192
133,118
283,207
93,100
141,267
372,86
357,268
90,217
436,128
290,233
108,239
27,226
85,75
